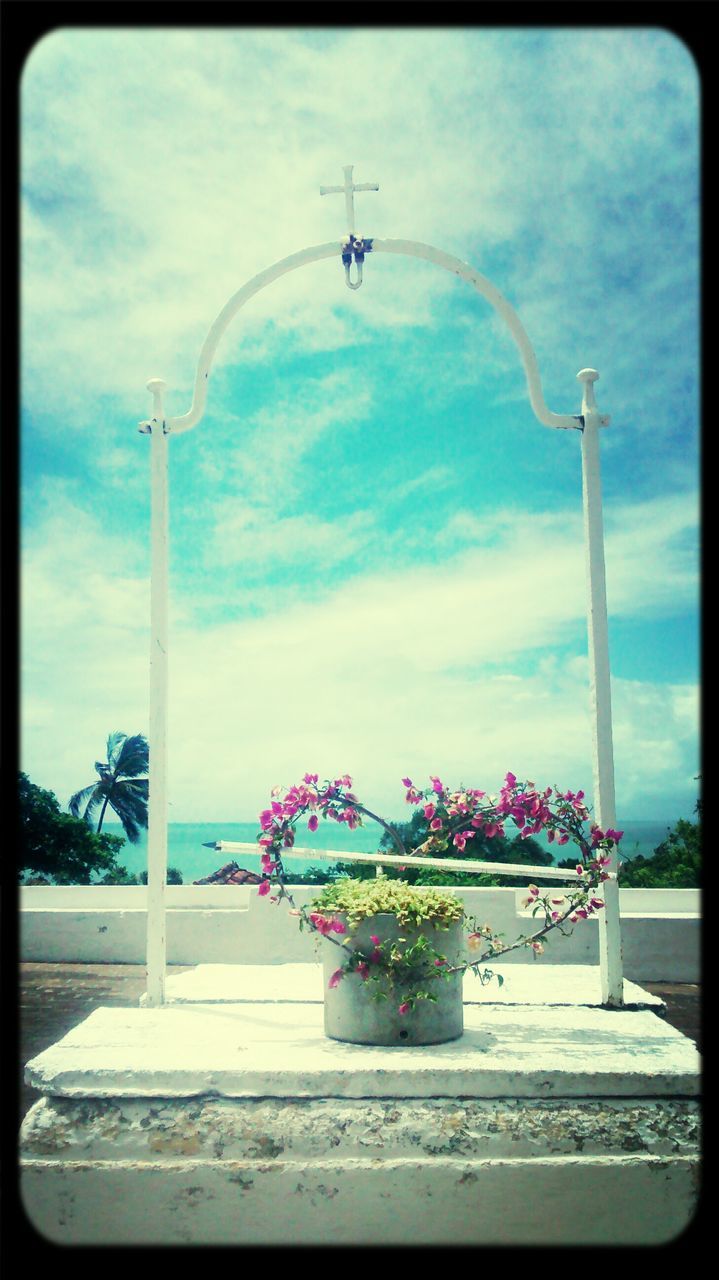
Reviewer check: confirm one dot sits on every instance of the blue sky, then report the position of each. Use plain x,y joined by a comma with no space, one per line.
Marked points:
377,561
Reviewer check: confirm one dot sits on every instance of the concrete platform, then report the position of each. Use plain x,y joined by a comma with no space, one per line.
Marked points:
236,1121
280,1050
543,984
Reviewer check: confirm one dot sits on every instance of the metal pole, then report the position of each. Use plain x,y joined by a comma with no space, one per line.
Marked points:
157,807
610,945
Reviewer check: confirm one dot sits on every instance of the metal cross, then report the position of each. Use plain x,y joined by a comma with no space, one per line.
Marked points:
349,189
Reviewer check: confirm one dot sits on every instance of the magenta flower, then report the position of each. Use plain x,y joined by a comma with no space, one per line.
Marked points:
313,822
336,978
363,970
404,1008
429,810
263,888
373,938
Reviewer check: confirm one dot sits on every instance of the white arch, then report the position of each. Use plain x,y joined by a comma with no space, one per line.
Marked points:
408,248
159,427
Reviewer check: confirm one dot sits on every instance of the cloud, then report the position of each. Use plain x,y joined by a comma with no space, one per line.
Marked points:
359,573
149,201
453,668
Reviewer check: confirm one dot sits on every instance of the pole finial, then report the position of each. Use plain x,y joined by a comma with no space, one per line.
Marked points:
589,404
157,388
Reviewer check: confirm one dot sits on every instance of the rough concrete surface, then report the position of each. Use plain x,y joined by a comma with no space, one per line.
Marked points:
54,998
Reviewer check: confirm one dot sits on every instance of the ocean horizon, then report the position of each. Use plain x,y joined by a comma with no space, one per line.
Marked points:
186,841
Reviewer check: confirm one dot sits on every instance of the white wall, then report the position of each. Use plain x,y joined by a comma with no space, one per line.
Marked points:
231,924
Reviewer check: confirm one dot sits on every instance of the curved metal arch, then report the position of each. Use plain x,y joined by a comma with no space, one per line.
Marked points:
408,248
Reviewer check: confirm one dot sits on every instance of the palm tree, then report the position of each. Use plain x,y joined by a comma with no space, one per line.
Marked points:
120,786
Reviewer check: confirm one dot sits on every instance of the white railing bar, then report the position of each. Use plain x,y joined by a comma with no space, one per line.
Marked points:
408,860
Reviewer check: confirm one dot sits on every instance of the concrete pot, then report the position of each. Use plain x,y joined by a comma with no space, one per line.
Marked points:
352,1015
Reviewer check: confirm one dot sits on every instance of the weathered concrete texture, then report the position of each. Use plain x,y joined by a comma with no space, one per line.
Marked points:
539,983
243,1050
434,1171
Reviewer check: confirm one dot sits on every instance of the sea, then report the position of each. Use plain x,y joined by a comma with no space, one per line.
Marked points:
186,843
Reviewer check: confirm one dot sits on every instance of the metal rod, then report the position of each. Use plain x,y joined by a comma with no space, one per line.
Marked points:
396,860
610,950
157,804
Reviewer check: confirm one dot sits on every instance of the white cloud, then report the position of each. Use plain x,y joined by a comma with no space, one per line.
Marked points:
432,669
561,163
151,199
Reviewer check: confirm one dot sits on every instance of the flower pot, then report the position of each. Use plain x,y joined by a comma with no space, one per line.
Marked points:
353,1015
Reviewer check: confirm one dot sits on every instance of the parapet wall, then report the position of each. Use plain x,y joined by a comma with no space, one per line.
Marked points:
232,924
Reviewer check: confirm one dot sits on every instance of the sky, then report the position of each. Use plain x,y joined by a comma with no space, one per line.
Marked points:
376,550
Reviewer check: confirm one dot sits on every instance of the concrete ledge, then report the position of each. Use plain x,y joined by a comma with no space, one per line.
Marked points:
230,924
280,1050
537,983
241,1123
338,1171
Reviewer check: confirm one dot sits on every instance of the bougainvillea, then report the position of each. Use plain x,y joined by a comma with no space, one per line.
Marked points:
454,818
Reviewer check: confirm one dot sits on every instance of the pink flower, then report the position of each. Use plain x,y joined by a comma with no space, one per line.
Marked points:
436,824
403,1008
436,785
263,888
310,777
363,970
336,926
336,978
406,782
374,939
429,811
313,822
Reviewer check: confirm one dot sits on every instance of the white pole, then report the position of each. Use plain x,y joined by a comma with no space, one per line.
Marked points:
157,808
610,946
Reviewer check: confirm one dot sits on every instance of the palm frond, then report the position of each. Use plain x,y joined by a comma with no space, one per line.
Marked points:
90,797
114,748
129,802
133,758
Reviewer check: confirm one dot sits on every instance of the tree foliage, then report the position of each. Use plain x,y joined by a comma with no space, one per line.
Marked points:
675,863
58,846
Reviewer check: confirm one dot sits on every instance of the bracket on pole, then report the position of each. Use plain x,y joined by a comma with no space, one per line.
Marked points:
354,247
156,386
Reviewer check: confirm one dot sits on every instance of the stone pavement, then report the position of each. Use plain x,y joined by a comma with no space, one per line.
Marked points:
54,998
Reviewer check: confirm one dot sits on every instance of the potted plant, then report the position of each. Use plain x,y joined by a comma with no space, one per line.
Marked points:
395,954
403,947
